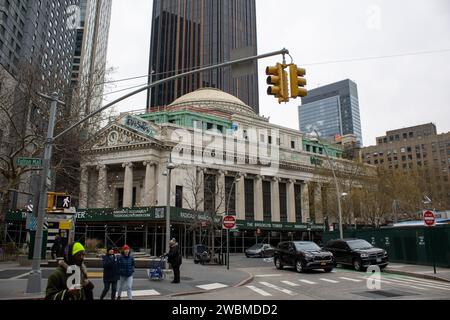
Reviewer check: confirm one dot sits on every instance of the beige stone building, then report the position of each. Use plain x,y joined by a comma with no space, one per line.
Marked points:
227,159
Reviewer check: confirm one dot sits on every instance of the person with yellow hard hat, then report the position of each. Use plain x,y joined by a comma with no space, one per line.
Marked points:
57,287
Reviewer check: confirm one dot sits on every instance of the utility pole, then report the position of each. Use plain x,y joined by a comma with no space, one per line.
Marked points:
35,277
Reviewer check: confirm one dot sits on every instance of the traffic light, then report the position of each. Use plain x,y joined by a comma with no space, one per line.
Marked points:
297,82
58,201
278,79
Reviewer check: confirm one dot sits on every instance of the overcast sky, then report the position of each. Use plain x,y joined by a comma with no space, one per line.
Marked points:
393,92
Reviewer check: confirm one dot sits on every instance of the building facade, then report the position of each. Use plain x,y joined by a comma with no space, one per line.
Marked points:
416,149
227,159
89,63
188,34
332,110
37,33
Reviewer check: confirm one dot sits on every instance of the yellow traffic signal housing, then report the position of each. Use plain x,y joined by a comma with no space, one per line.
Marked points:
54,201
278,79
297,82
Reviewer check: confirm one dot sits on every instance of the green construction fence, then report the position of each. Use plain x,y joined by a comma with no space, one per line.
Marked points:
411,245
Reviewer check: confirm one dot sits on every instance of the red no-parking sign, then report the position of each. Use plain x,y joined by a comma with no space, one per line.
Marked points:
229,222
428,218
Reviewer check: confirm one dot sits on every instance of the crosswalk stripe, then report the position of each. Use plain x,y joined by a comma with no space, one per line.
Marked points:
212,286
430,282
306,281
268,275
289,292
418,282
260,291
329,280
292,284
350,279
399,284
20,276
141,293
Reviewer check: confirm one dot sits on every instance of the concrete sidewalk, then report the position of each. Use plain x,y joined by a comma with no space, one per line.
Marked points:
419,271
195,279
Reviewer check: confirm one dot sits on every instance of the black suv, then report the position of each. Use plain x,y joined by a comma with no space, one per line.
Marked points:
358,253
303,255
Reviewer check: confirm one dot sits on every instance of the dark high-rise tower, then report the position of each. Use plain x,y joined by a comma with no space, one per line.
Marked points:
187,34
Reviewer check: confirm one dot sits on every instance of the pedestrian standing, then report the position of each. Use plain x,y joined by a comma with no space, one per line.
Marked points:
175,259
56,247
110,273
126,270
57,288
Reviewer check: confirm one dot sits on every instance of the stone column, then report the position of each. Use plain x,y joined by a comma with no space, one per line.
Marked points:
258,198
84,187
102,186
200,186
275,194
291,200
305,202
240,196
128,185
220,192
150,184
318,210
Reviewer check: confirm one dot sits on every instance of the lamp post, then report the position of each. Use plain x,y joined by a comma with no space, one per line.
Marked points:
236,179
170,167
338,192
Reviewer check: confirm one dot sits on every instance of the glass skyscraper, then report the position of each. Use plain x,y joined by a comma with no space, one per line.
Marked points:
188,34
332,110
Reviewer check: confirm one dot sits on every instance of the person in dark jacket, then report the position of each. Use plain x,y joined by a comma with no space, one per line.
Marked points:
56,247
110,273
126,270
175,260
57,288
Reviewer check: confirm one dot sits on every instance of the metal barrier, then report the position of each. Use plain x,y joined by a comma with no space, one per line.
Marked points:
413,245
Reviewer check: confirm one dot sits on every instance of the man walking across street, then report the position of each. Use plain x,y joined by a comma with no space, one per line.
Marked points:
126,270
175,259
110,273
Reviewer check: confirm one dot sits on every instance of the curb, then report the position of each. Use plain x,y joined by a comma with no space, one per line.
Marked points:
416,275
245,281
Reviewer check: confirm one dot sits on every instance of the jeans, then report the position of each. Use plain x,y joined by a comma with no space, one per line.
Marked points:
128,282
107,285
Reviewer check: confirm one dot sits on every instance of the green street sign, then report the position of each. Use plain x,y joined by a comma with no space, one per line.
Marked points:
32,162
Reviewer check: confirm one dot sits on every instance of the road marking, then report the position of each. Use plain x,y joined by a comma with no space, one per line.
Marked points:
260,291
292,284
431,282
20,276
141,293
268,275
212,286
306,281
418,282
95,274
328,280
350,279
289,292
401,283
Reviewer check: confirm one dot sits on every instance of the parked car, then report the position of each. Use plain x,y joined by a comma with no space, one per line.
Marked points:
358,253
201,254
303,255
261,250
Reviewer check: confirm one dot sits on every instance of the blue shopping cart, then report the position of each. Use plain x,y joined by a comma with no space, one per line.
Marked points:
156,271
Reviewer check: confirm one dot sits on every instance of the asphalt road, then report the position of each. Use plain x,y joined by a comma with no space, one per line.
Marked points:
268,283
341,284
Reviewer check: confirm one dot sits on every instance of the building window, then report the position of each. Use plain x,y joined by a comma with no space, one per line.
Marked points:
298,203
269,139
292,144
179,197
283,202
209,193
230,194
267,201
249,200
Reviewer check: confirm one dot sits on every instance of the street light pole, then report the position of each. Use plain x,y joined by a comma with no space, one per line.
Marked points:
236,179
338,192
170,167
35,277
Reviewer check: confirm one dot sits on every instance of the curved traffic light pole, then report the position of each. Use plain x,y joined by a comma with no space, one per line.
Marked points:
35,277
